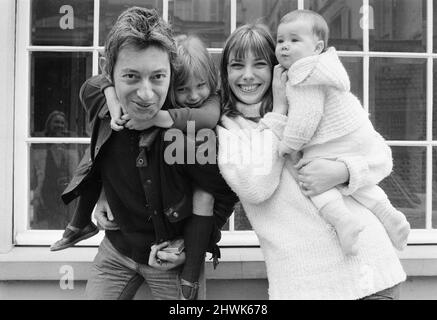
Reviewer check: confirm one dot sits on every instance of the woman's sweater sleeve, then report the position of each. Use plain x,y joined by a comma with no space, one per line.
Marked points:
205,117
249,161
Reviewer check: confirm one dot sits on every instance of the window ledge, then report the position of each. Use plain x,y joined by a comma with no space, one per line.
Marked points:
38,263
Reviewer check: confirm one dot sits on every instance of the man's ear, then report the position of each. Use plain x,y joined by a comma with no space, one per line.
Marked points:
102,65
320,46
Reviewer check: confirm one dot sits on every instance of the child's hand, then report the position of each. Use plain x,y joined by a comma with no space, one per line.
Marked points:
135,124
284,150
117,124
115,109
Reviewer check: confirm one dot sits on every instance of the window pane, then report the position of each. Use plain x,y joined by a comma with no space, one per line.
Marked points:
399,25
56,78
397,103
435,27
354,68
405,186
265,11
111,9
434,188
241,221
58,22
434,117
208,19
51,168
344,19
216,57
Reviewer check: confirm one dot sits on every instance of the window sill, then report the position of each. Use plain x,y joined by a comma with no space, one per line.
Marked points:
38,263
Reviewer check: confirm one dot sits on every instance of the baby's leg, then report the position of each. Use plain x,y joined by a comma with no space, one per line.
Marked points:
394,221
333,209
197,234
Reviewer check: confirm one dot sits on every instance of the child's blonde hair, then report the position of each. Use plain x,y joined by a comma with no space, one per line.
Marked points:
193,60
320,28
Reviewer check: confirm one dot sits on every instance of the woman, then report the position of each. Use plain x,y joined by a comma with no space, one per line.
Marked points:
303,256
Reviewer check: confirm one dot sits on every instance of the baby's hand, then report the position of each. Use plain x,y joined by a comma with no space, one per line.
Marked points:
284,150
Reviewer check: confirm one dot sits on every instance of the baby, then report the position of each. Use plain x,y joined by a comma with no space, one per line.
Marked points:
325,120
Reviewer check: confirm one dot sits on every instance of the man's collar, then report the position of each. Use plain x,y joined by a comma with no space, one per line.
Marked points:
147,137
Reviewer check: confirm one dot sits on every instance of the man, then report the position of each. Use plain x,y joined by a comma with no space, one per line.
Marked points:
150,201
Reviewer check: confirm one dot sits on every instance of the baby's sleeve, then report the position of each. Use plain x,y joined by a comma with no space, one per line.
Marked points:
205,117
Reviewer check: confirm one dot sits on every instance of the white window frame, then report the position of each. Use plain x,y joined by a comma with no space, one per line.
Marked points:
22,139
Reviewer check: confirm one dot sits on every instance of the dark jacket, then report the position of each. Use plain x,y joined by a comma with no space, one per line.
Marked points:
167,187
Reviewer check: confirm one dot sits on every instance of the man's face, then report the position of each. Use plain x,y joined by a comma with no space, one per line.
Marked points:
141,80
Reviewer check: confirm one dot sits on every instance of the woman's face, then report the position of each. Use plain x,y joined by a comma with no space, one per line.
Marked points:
250,78
57,125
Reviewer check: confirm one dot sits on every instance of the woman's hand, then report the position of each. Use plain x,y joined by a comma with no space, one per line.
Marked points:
280,103
319,175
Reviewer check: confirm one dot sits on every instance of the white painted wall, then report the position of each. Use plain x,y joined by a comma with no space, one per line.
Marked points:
7,66
415,288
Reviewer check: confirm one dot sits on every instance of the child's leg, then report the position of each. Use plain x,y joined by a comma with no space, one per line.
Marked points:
394,221
85,206
197,234
333,209
80,226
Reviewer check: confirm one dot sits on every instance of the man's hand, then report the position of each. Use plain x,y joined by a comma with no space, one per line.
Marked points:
103,214
164,260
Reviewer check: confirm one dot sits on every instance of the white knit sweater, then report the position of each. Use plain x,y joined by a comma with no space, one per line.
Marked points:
302,253
321,106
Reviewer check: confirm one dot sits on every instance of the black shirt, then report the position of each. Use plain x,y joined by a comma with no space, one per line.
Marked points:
125,195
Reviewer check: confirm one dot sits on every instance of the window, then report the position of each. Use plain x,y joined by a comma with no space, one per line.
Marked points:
387,47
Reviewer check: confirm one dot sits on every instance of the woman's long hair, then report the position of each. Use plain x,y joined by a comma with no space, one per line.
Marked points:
254,38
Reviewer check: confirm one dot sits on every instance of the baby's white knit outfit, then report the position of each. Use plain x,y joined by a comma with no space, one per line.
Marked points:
325,120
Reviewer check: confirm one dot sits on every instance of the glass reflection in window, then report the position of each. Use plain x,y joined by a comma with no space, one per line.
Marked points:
264,11
397,104
59,22
434,188
405,186
344,19
398,25
51,169
354,68
56,78
208,19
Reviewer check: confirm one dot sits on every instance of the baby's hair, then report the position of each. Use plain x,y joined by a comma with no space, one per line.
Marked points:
193,60
254,38
320,28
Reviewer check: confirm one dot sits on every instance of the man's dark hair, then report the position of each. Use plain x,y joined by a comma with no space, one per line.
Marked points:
139,28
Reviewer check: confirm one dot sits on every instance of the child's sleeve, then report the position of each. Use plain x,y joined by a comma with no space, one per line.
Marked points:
304,115
205,117
367,170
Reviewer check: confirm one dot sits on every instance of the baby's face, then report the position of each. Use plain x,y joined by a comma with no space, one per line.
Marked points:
295,40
